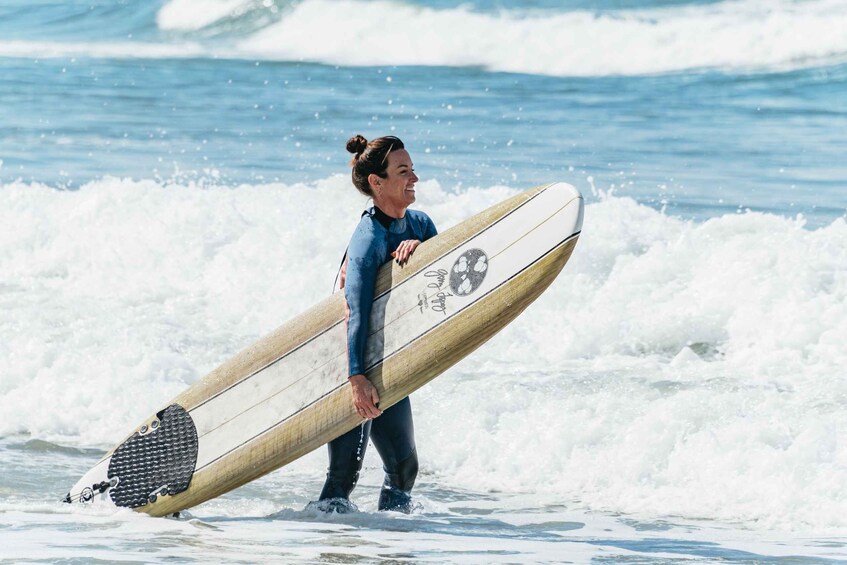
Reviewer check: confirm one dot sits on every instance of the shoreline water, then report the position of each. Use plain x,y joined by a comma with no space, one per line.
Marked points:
266,522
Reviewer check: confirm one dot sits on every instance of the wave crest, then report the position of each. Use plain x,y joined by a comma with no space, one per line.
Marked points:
729,35
740,36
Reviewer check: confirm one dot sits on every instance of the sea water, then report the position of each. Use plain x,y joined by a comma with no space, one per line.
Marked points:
174,185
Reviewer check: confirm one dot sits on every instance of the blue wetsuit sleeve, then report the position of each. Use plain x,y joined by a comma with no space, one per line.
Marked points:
430,230
362,267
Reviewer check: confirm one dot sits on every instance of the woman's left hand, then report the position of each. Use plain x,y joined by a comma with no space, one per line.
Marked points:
405,250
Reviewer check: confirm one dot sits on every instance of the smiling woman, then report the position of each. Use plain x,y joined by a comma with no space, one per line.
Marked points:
382,170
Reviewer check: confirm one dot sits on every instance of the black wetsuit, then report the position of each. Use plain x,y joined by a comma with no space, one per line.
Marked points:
376,236
393,436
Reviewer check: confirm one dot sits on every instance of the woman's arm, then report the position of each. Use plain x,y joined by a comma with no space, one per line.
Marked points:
359,292
360,280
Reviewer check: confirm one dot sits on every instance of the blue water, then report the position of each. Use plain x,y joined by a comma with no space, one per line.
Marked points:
682,398
704,142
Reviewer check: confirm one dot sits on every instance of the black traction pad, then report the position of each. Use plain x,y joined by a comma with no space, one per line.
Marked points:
163,457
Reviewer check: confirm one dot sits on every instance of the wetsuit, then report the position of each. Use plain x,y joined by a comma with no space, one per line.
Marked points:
375,238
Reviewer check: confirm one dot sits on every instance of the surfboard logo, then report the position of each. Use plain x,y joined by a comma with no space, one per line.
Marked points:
468,272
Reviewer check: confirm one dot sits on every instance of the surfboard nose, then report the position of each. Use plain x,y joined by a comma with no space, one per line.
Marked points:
571,199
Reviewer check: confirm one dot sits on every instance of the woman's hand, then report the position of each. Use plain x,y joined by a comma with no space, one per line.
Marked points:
405,250
365,397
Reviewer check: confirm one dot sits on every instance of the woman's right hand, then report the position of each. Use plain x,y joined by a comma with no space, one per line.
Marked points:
365,397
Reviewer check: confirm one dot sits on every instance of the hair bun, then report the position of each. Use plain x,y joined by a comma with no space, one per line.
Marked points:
357,144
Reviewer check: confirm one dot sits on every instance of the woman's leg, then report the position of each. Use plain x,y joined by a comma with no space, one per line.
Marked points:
393,435
346,454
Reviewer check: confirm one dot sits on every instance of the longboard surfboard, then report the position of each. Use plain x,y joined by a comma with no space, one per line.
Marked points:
287,394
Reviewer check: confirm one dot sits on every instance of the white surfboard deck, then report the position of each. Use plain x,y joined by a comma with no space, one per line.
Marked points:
288,394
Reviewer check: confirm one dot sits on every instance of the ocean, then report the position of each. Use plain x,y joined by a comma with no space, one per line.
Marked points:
174,185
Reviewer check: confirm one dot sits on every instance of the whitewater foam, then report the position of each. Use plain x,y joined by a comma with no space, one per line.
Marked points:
730,35
741,35
102,50
674,368
191,15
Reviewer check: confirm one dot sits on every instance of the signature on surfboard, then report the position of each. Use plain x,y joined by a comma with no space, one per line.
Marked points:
438,302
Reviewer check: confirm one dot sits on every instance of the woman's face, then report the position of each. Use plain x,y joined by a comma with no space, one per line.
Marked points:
396,192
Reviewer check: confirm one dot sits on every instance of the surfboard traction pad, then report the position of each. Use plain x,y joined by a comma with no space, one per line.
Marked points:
161,461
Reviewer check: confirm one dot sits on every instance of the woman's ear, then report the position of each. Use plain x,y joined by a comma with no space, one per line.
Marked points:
374,181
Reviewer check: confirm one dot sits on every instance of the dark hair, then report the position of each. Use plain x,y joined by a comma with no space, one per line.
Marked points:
370,158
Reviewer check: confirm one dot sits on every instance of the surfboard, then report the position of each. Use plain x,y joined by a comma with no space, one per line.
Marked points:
288,394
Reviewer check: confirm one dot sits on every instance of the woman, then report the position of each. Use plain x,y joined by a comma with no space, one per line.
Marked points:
382,170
